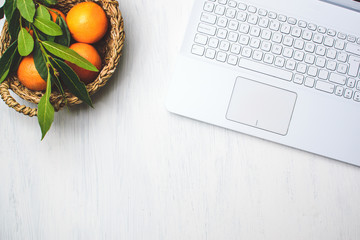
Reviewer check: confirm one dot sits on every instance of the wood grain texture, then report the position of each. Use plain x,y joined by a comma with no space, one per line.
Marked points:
128,169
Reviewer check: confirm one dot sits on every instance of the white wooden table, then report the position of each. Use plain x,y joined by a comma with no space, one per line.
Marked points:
128,169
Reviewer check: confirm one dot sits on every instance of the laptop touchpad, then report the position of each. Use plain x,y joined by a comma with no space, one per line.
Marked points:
262,106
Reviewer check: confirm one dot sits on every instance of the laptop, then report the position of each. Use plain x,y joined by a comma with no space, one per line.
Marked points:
284,71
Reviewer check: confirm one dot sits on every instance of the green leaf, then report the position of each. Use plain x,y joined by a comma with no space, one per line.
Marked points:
47,26
14,25
66,37
48,2
6,60
15,61
68,55
72,81
45,110
42,12
27,9
2,12
9,8
25,42
40,61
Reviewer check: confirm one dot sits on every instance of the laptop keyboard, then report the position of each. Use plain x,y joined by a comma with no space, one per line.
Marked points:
293,50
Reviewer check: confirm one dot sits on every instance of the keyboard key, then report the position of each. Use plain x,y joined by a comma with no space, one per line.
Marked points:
274,25
201,39
213,42
299,44
208,18
223,2
264,22
320,50
220,10
246,52
307,35
241,16
235,48
290,64
242,6
288,52
351,38
198,50
339,91
339,45
291,21
321,29
296,32
325,86
342,57
255,31
329,42
351,82
323,74
232,4
309,58
206,29
255,43
244,28
312,27
279,61
221,56
230,13
252,9
262,12
209,6
257,55
265,34
354,64
232,60
331,32
277,49
224,45
272,15
285,28
302,24
265,46
309,82
353,48
342,36
318,38
309,47
331,53
233,25
299,79
253,19
312,71
288,41
299,56
244,39
320,62
301,68
233,36
268,58
277,37
222,22
357,96
222,33
210,53
265,69
337,78
348,93
282,18
331,65
342,68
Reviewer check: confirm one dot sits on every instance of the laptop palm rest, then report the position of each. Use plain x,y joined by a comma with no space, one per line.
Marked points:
261,106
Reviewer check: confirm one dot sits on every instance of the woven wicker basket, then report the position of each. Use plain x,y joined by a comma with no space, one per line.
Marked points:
109,49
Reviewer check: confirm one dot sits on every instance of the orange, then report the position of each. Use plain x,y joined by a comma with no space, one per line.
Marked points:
30,31
54,15
89,53
29,76
87,22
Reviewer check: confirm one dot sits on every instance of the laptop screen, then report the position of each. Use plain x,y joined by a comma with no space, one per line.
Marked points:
350,4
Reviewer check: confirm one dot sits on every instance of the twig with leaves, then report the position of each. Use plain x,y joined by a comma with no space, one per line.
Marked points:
50,48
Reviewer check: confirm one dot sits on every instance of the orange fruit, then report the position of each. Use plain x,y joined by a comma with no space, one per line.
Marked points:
89,53
29,76
54,15
30,31
87,22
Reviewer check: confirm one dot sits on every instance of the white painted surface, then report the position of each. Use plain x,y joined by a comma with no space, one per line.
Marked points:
128,169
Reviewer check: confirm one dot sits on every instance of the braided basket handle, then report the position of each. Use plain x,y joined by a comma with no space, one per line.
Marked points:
11,102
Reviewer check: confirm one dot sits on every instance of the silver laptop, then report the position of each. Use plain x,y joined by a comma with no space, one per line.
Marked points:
282,70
